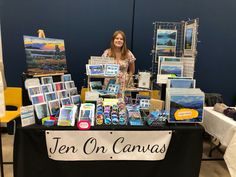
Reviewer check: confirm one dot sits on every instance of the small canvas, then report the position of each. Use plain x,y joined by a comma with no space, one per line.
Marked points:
73,91
169,68
66,101
63,94
76,99
69,84
95,85
67,116
46,88
34,90
45,55
58,86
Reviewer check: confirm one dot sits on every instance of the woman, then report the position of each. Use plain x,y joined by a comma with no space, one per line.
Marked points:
123,57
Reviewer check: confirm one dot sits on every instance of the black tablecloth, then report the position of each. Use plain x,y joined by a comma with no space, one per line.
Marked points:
183,157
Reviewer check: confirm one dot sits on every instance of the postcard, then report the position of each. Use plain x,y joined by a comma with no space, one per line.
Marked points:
36,99
69,84
62,94
66,77
50,96
75,99
166,42
27,115
47,80
41,110
46,88
54,107
58,86
65,101
45,55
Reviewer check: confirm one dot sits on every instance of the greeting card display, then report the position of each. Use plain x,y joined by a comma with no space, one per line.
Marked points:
45,55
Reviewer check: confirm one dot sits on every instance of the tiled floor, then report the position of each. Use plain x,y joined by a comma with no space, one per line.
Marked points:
209,168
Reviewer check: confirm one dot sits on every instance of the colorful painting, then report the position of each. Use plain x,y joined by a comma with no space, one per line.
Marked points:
41,110
186,109
45,55
188,38
172,69
181,83
166,42
54,107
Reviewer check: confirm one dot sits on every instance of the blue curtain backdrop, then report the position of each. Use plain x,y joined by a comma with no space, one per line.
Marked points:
87,26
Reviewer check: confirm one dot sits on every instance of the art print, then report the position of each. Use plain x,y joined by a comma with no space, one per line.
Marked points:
67,116
32,82
167,59
58,86
181,83
50,96
76,99
94,69
69,84
27,115
36,99
66,77
95,85
73,91
54,107
177,70
111,69
65,101
47,80
114,88
166,42
45,55
46,88
63,94
34,90
41,110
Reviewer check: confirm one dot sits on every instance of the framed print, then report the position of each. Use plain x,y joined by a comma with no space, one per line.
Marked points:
175,68
41,110
166,42
46,88
65,101
58,86
73,91
50,96
36,99
95,85
54,107
76,99
66,77
47,80
63,94
69,84
45,55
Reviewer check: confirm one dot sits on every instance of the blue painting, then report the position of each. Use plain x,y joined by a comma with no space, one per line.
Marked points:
188,38
172,69
182,83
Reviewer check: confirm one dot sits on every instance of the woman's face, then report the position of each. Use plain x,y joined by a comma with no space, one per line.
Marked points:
118,41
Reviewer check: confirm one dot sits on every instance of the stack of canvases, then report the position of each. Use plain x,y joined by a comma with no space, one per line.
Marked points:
184,102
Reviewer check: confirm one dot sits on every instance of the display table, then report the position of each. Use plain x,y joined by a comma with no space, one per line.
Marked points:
183,157
224,129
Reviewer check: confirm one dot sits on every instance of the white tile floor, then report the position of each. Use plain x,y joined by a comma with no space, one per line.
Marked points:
208,168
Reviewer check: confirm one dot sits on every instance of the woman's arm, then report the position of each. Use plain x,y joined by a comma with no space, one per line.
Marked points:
131,68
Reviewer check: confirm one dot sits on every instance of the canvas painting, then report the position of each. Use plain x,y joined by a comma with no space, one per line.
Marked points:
166,42
186,109
45,55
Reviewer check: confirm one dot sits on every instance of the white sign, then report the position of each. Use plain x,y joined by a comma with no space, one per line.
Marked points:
107,145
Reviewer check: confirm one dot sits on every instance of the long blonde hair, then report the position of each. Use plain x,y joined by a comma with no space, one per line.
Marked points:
124,49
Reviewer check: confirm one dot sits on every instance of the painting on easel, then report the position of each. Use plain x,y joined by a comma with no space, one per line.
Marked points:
45,55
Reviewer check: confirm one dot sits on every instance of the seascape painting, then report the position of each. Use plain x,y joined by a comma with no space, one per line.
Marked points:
181,83
45,55
166,42
190,108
